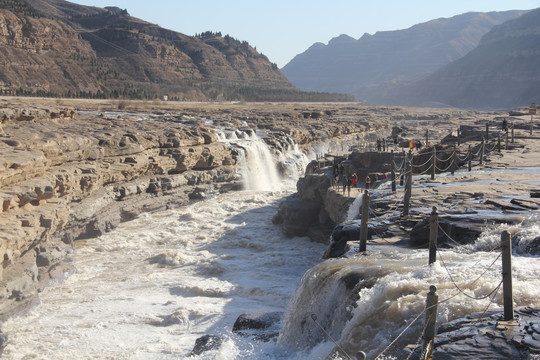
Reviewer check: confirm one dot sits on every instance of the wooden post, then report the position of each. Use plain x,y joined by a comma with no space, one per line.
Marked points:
482,152
393,178
499,142
458,133
487,130
470,158
512,132
434,163
506,244
432,300
433,233
408,187
427,137
506,141
453,164
364,222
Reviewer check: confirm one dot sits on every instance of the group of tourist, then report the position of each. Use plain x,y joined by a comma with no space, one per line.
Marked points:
347,181
381,144
415,145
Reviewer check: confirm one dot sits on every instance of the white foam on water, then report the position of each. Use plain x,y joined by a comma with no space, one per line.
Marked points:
393,287
154,285
150,288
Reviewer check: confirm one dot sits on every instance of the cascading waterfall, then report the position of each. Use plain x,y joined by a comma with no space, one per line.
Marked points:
365,302
154,285
258,167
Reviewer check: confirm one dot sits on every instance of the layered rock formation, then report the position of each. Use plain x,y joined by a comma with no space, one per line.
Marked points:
57,48
67,173
66,176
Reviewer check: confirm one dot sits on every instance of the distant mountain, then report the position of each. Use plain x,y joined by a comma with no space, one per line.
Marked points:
57,48
374,64
502,72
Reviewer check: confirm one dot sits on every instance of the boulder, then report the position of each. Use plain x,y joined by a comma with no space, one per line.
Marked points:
261,326
461,231
206,343
297,216
340,235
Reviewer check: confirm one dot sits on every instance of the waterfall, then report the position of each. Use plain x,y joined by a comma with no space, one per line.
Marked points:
366,302
259,167
354,208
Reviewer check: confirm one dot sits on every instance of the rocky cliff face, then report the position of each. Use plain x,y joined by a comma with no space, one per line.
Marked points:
67,173
66,176
57,48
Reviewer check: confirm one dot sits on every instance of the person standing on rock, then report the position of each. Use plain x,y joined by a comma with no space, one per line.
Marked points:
354,179
349,182
368,181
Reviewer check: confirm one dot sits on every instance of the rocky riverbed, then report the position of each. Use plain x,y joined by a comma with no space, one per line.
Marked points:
498,189
74,169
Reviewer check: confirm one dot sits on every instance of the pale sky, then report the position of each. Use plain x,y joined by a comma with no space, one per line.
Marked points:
282,29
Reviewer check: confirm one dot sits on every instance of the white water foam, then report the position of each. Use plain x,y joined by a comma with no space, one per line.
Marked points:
150,288
391,293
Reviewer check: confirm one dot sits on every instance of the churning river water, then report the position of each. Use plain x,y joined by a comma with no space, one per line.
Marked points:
154,285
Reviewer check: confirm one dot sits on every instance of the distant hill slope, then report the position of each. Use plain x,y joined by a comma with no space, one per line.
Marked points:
502,72
57,48
372,65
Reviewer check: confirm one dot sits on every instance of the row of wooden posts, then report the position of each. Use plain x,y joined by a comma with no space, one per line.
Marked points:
407,169
432,298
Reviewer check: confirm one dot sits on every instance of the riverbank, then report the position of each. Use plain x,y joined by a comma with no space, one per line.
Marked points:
73,170
499,192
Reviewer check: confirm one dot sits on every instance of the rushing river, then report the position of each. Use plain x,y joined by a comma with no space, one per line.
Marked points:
154,285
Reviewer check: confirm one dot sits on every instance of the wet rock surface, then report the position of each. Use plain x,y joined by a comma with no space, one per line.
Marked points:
488,336
75,169
260,326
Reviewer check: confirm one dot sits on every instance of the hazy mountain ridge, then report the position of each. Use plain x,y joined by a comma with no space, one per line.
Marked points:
502,72
57,48
372,65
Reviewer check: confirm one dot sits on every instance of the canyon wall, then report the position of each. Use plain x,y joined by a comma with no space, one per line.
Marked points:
70,173
65,177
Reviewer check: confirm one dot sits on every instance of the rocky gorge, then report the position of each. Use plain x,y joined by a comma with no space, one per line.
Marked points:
74,170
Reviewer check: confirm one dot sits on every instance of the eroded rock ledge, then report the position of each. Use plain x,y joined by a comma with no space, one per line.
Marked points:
65,177
67,173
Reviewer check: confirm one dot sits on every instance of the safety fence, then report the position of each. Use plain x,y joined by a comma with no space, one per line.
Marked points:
426,339
428,333
433,161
